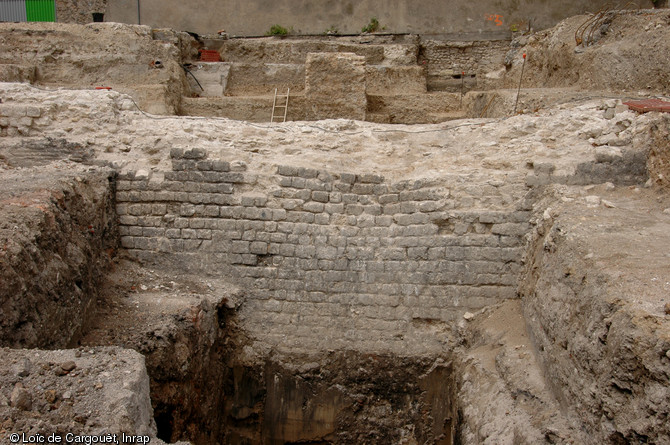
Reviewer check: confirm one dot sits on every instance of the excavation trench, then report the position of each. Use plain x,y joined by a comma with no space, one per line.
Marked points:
342,397
268,312
208,385
211,380
258,328
205,385
283,287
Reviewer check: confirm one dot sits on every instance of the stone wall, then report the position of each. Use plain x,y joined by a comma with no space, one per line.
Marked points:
354,254
445,61
19,119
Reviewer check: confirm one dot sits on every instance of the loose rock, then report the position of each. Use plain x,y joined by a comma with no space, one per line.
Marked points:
21,398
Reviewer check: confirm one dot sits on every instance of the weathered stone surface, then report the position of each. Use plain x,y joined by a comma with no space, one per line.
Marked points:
381,250
335,86
105,386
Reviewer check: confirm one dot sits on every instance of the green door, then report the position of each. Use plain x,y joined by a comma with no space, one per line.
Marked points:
41,10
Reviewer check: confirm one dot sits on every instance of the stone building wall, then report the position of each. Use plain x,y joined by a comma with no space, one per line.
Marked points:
471,57
445,61
353,255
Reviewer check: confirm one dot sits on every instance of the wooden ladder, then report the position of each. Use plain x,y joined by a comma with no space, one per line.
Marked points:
277,114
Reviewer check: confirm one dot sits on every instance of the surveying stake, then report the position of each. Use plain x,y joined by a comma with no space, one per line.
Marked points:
520,79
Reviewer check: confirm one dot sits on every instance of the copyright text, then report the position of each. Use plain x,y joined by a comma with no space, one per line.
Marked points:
78,438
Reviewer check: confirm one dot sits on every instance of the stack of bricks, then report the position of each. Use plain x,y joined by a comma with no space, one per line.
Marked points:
319,248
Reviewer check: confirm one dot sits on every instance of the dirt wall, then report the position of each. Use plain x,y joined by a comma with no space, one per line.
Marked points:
98,55
598,321
659,155
623,51
55,242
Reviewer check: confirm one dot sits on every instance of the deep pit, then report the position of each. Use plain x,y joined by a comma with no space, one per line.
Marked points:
206,388
499,279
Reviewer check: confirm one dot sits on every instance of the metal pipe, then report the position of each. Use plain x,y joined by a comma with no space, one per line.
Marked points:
139,17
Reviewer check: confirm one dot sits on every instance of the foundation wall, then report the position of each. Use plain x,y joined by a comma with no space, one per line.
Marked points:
353,257
462,56
445,61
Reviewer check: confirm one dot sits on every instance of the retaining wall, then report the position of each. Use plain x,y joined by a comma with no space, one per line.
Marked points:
445,61
319,250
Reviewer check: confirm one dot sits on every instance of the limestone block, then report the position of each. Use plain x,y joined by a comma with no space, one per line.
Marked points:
320,196
287,170
335,86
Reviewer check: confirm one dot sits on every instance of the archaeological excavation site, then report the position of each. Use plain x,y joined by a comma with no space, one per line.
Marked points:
402,223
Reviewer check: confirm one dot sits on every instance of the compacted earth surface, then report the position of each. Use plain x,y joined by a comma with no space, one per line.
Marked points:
497,280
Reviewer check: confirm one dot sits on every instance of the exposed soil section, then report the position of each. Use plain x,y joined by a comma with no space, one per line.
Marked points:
58,231
181,324
659,156
207,386
98,55
596,301
503,396
623,50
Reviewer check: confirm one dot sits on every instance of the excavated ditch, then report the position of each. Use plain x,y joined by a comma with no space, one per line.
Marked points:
205,386
208,386
209,381
202,390
344,397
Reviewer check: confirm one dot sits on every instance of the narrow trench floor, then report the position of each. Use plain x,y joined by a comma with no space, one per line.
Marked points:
138,300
